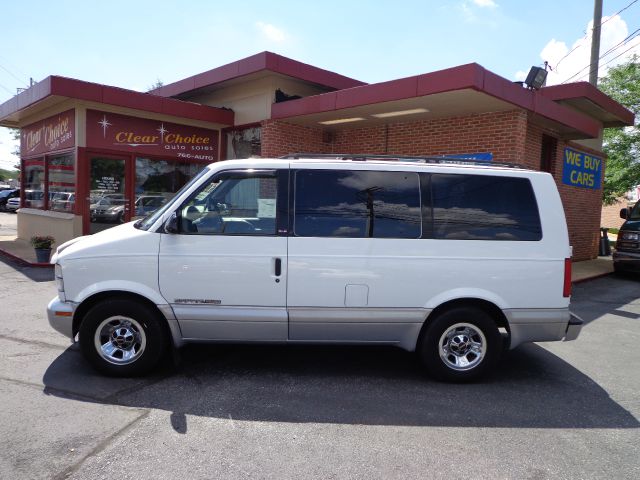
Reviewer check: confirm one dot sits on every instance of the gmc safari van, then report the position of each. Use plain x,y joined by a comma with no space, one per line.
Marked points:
453,261
626,257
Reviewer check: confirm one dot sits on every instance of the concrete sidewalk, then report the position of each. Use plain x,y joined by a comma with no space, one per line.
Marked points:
22,252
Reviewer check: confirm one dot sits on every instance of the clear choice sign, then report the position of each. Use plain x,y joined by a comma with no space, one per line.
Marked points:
581,170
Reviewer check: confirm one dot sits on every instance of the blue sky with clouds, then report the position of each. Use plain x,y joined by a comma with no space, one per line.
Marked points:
131,44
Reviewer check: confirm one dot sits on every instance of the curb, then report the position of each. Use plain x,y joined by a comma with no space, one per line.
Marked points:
586,279
23,262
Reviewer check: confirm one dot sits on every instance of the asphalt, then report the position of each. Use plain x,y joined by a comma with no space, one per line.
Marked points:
561,410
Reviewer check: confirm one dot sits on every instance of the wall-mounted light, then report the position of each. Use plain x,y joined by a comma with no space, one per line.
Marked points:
341,120
536,78
399,113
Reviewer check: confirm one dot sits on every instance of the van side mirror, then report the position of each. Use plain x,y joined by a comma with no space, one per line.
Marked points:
171,225
623,213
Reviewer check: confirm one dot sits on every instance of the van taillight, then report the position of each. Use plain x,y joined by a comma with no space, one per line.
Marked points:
566,291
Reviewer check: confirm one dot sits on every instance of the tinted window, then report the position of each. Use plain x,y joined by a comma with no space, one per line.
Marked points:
357,204
479,207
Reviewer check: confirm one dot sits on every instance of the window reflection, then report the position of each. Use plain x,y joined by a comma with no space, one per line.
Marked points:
357,204
482,207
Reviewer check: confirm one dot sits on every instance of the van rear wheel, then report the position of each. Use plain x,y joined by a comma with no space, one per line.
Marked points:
122,338
460,345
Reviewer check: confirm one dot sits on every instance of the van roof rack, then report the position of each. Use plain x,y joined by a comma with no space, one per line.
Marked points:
435,160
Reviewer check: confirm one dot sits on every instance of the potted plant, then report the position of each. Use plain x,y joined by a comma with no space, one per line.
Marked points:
42,245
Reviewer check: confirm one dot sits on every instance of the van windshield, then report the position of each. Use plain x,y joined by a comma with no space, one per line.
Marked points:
146,222
635,212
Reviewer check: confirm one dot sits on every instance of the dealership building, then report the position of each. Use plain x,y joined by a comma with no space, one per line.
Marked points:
86,146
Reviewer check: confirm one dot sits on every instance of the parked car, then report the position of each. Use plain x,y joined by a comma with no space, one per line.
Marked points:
144,205
5,195
451,261
13,204
102,210
62,201
626,257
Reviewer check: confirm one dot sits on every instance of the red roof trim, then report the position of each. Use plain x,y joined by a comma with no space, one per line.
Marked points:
256,63
588,91
470,76
94,92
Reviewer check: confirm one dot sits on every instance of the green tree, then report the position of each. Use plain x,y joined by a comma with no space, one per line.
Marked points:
622,145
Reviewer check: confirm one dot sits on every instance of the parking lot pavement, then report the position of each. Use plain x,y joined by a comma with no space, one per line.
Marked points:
555,410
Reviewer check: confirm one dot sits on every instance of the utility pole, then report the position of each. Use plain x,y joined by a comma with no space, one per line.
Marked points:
595,42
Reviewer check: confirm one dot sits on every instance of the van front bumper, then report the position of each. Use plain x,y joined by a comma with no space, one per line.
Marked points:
60,316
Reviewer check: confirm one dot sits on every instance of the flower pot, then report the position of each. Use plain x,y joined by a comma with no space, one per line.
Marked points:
43,255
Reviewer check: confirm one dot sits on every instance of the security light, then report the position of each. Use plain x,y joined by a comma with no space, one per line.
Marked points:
536,78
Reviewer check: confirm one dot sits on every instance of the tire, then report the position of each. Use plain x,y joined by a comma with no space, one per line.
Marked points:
460,345
122,338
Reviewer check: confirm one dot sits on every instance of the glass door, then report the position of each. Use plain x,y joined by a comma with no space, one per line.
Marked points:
108,202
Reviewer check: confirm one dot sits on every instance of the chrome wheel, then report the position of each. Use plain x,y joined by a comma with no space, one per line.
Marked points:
120,340
462,346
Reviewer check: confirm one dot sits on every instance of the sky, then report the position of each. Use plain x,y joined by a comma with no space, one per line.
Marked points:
133,44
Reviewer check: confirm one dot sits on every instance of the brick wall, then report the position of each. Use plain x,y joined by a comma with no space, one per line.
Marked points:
582,206
280,138
510,136
502,133
610,217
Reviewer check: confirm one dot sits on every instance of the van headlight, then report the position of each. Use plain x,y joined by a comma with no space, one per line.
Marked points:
59,282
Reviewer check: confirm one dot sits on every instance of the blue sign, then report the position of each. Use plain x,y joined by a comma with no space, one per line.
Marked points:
581,169
484,157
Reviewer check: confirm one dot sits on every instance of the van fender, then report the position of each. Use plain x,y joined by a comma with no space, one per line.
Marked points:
123,286
466,293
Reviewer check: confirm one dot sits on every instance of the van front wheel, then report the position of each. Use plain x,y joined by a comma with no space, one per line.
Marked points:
460,345
122,338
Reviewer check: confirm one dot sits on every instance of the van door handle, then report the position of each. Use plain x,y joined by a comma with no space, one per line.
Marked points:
278,267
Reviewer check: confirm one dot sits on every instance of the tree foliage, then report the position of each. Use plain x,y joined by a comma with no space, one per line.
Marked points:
622,145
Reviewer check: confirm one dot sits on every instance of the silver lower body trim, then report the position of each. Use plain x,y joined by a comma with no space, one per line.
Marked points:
537,325
208,322
391,326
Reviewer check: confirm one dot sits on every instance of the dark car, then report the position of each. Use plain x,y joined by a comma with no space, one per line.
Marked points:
5,195
626,257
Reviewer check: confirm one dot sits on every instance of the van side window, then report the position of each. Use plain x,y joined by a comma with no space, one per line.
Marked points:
357,204
482,207
232,204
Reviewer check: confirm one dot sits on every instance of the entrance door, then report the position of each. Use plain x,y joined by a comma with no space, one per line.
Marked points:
108,203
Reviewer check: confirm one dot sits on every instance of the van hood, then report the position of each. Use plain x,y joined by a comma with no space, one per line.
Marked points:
110,242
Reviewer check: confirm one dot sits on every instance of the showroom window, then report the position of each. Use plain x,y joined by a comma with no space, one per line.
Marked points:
34,183
62,183
49,182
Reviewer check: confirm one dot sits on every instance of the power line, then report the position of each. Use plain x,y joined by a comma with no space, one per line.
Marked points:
586,35
9,72
5,88
634,35
630,48
617,13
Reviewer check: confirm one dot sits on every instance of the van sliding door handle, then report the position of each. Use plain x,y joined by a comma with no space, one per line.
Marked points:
278,267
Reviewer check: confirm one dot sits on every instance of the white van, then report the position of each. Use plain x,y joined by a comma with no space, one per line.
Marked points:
454,261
